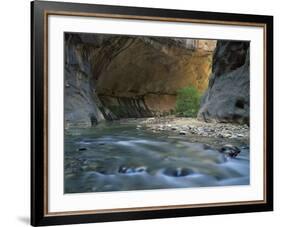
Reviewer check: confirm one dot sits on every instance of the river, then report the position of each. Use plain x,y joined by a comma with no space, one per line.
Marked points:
122,157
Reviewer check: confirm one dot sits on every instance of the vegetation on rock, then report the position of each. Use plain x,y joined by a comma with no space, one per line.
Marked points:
188,102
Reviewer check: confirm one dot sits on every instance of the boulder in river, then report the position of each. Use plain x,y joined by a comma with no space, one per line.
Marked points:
230,150
127,170
177,172
82,149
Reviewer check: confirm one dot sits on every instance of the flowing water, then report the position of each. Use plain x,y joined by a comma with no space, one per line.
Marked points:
120,157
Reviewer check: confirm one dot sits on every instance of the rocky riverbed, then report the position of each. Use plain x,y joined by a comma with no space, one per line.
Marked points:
191,127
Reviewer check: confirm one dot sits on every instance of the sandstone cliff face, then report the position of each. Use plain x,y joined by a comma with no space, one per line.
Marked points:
149,73
227,96
109,77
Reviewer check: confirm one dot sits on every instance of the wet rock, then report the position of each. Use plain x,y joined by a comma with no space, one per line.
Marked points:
230,150
182,132
245,147
82,149
141,169
103,170
126,170
206,147
226,135
177,172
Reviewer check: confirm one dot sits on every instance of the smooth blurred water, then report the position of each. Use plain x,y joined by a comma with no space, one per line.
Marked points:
115,157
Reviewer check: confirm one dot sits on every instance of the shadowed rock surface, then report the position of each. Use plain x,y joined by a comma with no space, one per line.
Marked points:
227,96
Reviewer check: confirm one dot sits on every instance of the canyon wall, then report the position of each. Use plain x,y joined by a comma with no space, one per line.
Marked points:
82,107
110,76
227,98
143,80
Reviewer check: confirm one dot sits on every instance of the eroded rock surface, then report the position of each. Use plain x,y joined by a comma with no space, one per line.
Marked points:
227,96
82,106
144,78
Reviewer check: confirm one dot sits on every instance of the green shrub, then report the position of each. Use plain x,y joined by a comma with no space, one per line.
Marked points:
188,102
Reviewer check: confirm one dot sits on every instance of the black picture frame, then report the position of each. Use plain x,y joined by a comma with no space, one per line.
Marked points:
39,123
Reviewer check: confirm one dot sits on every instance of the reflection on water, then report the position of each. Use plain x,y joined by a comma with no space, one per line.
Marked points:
114,157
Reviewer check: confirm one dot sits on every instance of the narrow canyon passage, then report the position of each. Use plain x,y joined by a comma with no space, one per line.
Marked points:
154,113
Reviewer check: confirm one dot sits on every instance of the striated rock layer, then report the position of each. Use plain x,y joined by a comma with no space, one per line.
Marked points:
148,74
227,98
82,106
110,76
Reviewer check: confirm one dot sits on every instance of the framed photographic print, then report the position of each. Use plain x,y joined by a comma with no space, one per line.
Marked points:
142,113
